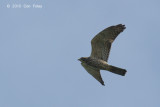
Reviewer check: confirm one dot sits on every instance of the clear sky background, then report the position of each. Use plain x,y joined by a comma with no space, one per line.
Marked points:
39,49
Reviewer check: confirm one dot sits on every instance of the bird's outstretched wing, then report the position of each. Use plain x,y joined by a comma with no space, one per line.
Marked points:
94,72
102,42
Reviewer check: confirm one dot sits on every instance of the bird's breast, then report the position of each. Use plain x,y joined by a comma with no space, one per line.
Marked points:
97,63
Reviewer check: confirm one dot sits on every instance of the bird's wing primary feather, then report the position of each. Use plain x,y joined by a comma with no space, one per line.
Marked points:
94,72
102,42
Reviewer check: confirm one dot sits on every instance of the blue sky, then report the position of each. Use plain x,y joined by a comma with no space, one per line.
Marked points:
39,49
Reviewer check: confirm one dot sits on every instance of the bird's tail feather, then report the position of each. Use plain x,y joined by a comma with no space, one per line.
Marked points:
116,70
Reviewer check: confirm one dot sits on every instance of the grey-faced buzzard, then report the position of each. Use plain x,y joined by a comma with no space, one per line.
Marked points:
101,45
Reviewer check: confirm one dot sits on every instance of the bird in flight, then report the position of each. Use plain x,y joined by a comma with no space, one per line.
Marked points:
98,60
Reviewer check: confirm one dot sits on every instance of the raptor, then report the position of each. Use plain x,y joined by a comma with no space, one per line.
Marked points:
101,45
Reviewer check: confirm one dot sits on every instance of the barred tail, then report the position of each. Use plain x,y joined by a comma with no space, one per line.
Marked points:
116,70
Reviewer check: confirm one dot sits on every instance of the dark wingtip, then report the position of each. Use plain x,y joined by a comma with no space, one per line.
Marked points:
121,25
103,83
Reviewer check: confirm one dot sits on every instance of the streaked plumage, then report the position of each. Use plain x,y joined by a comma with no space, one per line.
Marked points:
101,45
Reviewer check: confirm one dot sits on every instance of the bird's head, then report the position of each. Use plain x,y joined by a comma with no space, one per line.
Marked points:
82,59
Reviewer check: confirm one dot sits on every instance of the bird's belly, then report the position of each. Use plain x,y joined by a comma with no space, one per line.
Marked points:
97,63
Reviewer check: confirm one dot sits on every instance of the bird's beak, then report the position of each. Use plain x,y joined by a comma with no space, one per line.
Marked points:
79,59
